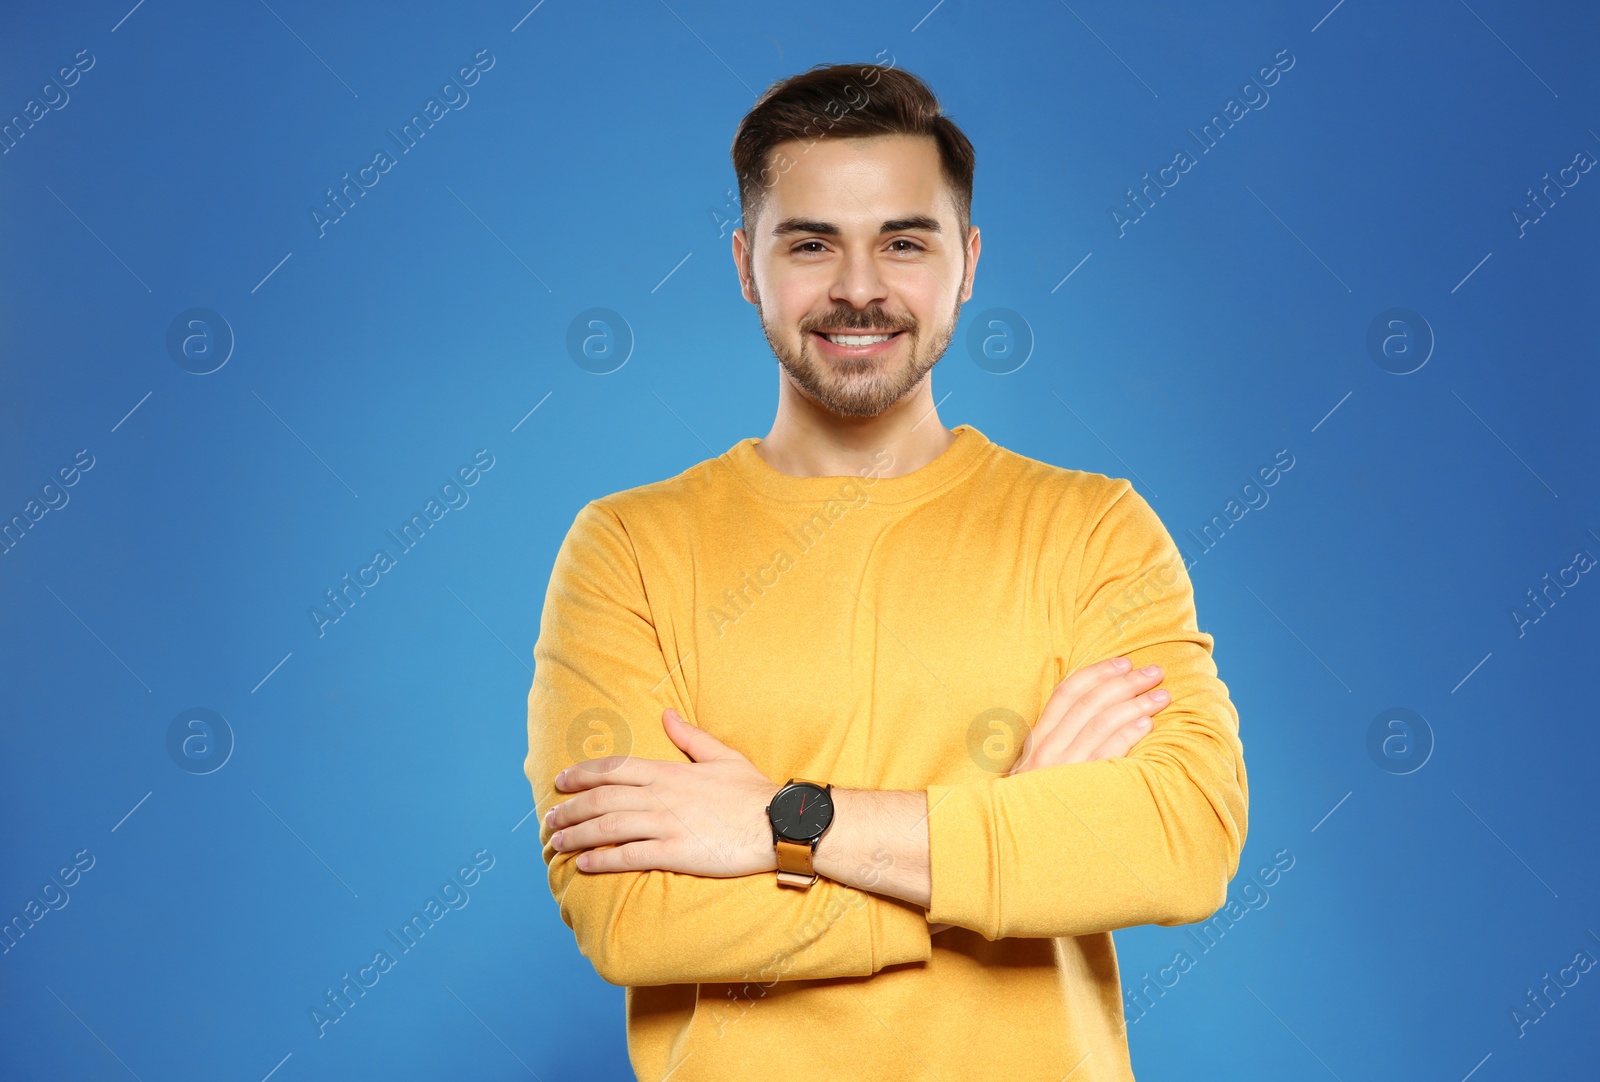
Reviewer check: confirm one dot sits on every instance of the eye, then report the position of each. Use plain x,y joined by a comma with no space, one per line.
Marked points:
805,244
913,245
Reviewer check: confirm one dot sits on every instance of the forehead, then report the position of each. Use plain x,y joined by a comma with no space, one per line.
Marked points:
858,181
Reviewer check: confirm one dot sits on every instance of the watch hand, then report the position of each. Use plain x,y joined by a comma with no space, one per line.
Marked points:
802,810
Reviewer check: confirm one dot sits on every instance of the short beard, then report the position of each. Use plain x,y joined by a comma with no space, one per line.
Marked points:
852,387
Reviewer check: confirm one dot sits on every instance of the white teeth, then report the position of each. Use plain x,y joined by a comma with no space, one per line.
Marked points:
857,339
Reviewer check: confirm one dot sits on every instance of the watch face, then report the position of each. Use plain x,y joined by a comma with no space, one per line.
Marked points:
801,812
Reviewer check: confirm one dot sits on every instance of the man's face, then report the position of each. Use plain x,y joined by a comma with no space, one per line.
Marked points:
857,237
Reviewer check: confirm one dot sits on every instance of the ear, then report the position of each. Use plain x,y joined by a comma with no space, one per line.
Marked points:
742,264
974,244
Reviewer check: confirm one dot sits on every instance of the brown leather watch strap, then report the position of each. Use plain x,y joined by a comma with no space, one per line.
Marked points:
794,863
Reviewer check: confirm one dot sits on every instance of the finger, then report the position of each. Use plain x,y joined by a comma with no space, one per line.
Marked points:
596,802
1076,738
632,857
1108,721
1116,691
1075,686
1109,693
698,744
612,828
1067,692
608,770
1122,739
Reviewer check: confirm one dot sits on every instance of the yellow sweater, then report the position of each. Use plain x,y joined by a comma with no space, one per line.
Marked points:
888,633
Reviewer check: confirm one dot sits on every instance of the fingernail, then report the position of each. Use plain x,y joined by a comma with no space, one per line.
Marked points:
549,815
1151,670
555,839
561,777
1122,664
1160,696
1142,723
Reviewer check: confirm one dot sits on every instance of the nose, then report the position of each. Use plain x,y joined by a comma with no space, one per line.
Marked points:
858,283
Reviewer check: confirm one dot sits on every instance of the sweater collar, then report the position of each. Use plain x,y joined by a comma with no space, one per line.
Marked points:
953,463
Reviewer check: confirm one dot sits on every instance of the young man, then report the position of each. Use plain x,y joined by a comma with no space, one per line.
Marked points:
833,736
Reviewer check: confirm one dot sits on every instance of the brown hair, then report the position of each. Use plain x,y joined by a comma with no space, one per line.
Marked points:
846,100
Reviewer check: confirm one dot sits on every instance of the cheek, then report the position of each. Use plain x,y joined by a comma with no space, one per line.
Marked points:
928,301
930,284
790,297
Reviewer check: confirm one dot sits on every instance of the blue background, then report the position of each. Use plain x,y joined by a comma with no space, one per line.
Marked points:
589,169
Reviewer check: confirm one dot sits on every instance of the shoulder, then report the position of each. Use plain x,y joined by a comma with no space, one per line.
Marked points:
1080,496
655,505
1092,520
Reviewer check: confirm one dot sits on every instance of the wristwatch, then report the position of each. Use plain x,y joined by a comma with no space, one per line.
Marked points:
799,812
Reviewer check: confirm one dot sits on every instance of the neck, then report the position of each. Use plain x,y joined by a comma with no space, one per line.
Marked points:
809,441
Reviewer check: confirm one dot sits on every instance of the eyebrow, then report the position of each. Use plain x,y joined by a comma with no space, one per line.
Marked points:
828,229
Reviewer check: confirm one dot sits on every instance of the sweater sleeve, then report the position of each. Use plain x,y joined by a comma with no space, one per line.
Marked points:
601,682
1152,837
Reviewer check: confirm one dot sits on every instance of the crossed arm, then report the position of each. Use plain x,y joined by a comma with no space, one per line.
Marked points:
708,817
1059,846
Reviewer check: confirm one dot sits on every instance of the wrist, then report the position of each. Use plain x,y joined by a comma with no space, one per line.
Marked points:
878,842
766,836
799,814
830,857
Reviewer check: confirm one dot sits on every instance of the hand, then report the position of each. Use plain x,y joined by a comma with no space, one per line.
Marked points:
707,817
1099,712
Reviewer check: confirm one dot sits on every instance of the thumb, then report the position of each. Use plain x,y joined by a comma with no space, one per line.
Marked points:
694,741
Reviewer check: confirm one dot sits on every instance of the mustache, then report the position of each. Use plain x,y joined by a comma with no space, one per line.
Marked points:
850,319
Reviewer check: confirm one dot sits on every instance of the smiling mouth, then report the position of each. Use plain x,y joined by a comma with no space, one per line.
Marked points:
857,340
